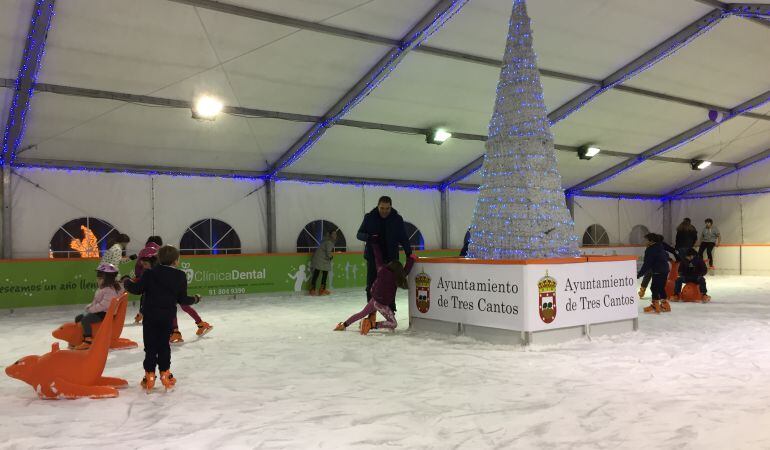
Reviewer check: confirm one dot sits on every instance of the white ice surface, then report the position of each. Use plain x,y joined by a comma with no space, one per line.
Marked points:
272,374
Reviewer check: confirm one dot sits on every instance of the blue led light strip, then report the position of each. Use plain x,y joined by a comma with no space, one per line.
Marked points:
24,85
375,77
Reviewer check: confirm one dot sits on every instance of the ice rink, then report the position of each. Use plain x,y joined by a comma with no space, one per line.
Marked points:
272,374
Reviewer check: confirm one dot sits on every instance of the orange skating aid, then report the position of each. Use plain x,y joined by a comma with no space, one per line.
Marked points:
72,332
70,373
691,293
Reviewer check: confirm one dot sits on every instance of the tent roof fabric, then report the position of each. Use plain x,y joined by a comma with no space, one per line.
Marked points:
171,49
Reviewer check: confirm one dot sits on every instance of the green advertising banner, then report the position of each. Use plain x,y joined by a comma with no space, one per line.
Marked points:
69,281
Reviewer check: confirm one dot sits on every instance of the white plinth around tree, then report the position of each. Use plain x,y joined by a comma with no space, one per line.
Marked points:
524,301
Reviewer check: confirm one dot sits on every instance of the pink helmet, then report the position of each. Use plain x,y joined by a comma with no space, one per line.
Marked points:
107,268
148,252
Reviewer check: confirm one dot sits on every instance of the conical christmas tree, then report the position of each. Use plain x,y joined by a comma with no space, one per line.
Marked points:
521,212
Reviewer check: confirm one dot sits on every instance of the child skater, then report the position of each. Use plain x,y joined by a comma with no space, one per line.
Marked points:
148,258
390,277
322,262
109,288
648,275
692,270
163,286
115,247
656,261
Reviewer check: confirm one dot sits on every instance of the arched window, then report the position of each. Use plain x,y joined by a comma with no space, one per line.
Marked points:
85,237
637,234
210,237
596,235
310,237
415,237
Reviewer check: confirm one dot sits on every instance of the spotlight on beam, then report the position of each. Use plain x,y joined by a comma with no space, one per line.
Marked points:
588,151
437,136
206,107
698,164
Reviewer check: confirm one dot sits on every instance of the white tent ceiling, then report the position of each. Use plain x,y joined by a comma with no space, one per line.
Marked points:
165,49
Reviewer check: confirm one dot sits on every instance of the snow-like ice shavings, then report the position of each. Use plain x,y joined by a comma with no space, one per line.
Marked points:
272,374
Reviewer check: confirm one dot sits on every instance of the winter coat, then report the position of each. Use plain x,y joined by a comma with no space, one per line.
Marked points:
102,298
686,238
163,287
655,260
391,233
385,286
322,257
466,242
692,269
113,255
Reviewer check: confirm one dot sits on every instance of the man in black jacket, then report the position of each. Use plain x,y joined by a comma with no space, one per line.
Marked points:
386,223
163,287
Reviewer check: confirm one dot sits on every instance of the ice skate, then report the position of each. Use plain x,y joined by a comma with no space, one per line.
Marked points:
203,328
323,290
665,306
706,298
176,337
312,292
366,325
138,318
85,345
168,380
340,327
642,291
654,308
675,298
372,318
148,382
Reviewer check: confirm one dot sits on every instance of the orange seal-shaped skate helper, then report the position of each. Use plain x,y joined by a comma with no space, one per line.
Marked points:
72,332
71,373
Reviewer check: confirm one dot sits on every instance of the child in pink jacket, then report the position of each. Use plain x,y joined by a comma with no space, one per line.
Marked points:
109,288
390,277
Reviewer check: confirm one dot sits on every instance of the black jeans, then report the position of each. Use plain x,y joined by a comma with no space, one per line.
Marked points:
707,247
88,319
157,350
315,278
659,286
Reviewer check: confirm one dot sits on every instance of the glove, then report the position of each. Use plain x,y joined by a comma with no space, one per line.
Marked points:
197,298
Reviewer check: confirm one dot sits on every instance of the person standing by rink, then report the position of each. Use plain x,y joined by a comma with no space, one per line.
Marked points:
386,223
709,238
322,262
686,236
648,275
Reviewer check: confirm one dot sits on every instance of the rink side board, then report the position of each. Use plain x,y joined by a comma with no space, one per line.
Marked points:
523,297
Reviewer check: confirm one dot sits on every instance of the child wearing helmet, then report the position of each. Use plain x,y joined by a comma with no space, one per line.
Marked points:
109,288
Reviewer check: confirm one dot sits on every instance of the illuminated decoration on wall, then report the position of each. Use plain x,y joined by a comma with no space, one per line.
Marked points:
88,247
210,237
85,237
521,210
311,236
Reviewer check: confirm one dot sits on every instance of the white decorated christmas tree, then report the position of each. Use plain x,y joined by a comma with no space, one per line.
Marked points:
521,212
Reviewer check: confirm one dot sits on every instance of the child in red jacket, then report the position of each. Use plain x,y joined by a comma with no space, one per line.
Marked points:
390,277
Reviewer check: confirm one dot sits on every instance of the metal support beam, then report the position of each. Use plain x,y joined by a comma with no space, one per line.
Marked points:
270,226
640,64
729,193
444,218
719,174
670,144
34,49
440,52
7,199
668,222
430,22
355,181
726,8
